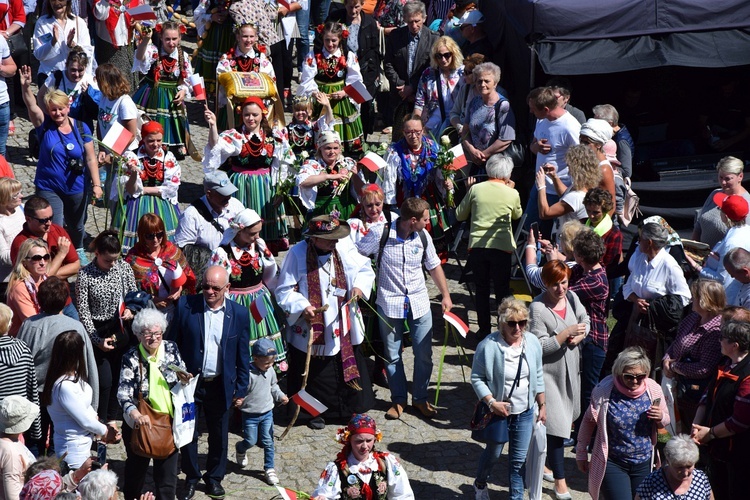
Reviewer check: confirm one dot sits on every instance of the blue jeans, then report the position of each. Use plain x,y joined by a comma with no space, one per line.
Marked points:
592,360
254,426
69,211
303,42
421,337
319,11
4,124
532,211
519,433
621,479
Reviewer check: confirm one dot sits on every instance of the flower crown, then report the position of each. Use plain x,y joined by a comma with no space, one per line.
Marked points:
344,30
182,29
343,434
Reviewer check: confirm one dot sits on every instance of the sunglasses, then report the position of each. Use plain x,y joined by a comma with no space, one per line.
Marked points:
445,55
634,378
211,287
41,221
522,323
158,235
38,258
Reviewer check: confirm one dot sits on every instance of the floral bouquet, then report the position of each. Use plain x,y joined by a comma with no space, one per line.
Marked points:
445,163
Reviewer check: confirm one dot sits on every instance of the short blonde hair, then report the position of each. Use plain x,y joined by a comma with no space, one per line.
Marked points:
56,97
730,165
511,306
445,41
566,236
8,187
6,316
710,295
631,356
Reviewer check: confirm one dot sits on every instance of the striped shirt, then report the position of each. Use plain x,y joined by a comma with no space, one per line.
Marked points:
18,376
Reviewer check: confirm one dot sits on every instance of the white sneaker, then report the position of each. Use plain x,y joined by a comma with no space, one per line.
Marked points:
481,493
240,458
271,477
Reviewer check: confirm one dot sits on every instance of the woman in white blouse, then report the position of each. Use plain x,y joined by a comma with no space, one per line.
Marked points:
67,396
55,34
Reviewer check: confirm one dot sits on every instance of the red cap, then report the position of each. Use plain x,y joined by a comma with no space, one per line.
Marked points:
151,127
734,206
257,101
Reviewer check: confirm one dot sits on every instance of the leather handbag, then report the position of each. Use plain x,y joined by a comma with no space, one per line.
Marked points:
17,45
156,442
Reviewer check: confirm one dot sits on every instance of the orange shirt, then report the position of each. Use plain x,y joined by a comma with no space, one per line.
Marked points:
368,6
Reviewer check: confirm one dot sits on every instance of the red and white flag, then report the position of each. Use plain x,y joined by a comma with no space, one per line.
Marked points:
457,323
284,3
199,87
258,309
121,310
142,13
287,494
459,158
309,403
346,320
372,162
358,92
118,138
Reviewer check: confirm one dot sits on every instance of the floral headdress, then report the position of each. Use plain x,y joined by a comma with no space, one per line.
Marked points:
344,30
360,423
182,28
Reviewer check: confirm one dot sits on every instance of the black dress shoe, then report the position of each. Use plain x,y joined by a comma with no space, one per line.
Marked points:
317,423
214,490
189,491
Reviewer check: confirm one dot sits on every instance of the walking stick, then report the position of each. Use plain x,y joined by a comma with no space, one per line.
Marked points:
305,374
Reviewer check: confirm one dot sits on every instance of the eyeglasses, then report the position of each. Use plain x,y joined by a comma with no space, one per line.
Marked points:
41,221
152,335
18,195
158,235
207,287
522,323
38,258
630,377
413,132
444,55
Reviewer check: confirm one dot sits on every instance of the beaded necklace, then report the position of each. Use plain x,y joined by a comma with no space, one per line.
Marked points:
332,66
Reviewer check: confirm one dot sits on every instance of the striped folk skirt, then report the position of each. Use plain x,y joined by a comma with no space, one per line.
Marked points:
135,208
219,39
156,102
255,191
350,128
269,326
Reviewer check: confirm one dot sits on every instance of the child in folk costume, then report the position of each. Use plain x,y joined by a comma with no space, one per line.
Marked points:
319,280
328,69
361,472
248,55
214,26
259,157
252,276
163,90
302,129
149,184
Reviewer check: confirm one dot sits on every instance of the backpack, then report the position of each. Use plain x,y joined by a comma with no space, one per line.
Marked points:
384,240
630,210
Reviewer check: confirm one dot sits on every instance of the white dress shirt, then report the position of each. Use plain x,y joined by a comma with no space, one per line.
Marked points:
660,277
193,229
213,327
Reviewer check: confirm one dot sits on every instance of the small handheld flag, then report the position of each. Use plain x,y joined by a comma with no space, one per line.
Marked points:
309,403
358,92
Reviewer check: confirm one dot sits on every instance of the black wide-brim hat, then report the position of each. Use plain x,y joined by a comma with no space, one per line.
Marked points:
327,228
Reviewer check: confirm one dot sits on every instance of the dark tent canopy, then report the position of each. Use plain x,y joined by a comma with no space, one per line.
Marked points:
573,37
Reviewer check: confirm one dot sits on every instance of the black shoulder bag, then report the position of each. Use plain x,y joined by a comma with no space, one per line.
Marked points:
516,150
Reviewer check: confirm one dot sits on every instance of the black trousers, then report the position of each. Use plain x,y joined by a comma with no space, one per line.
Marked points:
279,56
136,466
108,367
209,397
491,267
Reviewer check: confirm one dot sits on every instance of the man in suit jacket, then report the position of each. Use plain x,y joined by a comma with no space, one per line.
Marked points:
407,55
212,335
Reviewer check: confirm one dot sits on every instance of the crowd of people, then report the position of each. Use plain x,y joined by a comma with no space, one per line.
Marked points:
168,301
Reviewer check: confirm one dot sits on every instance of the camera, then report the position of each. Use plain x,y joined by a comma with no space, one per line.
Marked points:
75,164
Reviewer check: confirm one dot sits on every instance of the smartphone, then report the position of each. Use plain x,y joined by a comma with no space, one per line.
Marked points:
656,402
535,231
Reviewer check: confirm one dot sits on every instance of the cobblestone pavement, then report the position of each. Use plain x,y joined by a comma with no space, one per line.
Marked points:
439,456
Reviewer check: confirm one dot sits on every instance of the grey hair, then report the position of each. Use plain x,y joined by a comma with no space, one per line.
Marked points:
98,485
66,495
499,166
632,356
655,233
681,451
488,67
736,259
511,306
608,113
730,165
149,318
413,7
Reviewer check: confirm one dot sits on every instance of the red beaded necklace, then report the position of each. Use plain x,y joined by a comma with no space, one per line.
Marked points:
331,66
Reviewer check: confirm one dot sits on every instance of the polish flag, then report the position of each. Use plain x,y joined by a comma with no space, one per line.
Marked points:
285,493
121,310
358,92
346,321
118,138
258,309
459,158
372,162
142,13
309,403
284,3
457,323
199,87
